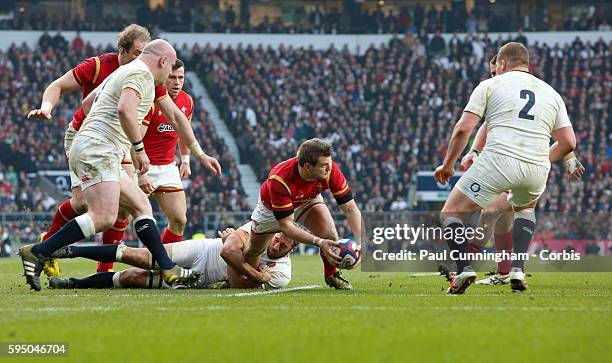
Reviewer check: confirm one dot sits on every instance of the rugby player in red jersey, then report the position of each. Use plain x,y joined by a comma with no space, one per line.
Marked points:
163,180
292,194
87,76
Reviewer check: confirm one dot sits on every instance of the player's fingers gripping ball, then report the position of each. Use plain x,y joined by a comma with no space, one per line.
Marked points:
348,251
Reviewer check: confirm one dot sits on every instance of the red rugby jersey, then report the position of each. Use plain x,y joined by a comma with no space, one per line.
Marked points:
161,139
285,190
91,72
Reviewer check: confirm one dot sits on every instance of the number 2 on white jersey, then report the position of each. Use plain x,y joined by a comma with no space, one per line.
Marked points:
530,97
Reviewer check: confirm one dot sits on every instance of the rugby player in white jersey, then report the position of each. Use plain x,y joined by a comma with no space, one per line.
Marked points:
496,219
522,113
115,111
219,261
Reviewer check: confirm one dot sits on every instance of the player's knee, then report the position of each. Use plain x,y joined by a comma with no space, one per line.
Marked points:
103,221
123,215
178,222
78,203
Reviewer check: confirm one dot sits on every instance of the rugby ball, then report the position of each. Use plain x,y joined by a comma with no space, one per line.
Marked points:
348,252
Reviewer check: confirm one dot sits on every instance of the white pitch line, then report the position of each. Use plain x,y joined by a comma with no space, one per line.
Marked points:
268,292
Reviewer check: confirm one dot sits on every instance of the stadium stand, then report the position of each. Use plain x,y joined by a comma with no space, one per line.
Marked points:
396,104
25,73
355,19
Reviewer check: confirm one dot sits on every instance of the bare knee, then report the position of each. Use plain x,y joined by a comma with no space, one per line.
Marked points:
103,221
78,202
177,223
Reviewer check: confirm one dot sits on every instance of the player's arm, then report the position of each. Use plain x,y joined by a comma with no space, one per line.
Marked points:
181,125
563,134
459,139
565,143
185,168
127,110
289,229
479,142
353,217
65,84
232,254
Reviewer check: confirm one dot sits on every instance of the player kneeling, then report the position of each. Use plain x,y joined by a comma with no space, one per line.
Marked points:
220,261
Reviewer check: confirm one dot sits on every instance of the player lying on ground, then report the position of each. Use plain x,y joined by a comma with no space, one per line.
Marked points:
220,261
291,193
523,113
496,219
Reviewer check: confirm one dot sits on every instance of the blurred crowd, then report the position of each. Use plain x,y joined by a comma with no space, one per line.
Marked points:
389,112
354,19
30,145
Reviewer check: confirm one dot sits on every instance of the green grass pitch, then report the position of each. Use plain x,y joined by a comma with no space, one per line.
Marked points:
389,317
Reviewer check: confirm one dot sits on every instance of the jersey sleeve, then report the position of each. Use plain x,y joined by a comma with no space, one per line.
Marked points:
161,92
280,197
136,81
189,113
339,186
478,100
562,120
149,117
87,71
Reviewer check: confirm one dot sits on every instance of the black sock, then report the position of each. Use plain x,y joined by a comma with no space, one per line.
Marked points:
458,235
522,232
104,253
149,236
68,235
102,280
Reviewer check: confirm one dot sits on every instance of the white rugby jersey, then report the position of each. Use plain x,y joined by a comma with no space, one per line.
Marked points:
102,121
521,112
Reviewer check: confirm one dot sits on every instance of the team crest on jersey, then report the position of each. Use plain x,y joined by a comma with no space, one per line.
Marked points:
164,128
320,187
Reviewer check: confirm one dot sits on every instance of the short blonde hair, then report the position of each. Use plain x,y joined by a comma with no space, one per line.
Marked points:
515,54
131,33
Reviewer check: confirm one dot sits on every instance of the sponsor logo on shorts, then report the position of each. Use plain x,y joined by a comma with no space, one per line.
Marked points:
85,178
475,187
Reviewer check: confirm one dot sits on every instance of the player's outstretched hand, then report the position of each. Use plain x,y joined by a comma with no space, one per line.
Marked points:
141,162
467,161
185,171
146,184
40,114
574,169
211,164
326,249
443,174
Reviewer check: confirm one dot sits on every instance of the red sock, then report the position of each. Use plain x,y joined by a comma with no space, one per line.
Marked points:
328,269
63,215
169,237
112,235
503,242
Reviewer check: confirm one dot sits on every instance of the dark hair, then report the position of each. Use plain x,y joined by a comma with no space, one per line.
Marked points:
131,33
310,151
179,63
